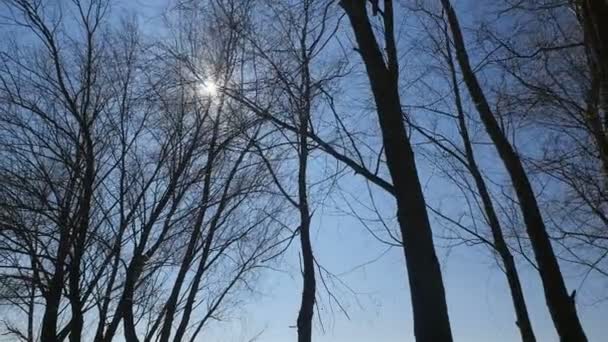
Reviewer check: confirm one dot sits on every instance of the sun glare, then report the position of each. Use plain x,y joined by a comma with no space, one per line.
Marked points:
208,88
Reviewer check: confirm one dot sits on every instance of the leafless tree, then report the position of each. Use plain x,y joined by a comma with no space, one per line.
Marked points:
460,165
431,321
117,168
286,52
554,86
561,305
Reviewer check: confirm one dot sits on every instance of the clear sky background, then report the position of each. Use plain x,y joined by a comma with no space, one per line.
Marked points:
374,291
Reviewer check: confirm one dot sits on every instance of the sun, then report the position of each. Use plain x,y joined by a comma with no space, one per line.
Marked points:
208,88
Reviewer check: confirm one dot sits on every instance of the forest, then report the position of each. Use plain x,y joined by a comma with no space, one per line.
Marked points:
303,170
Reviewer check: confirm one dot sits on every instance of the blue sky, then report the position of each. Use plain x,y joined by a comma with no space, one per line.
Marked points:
378,306
478,299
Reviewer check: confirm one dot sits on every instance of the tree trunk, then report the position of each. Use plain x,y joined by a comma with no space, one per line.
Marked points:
517,296
80,238
305,315
561,305
53,295
431,320
500,246
51,311
133,273
307,304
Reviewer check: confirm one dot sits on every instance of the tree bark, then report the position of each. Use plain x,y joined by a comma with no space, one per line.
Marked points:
307,304
80,235
500,245
561,305
305,315
431,320
53,295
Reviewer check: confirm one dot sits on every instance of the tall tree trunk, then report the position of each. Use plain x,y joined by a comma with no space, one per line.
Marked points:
31,311
133,273
128,325
431,320
77,321
500,245
305,315
307,304
48,330
561,305
51,311
80,237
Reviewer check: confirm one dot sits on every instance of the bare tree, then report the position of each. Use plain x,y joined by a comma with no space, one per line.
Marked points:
463,155
117,168
554,85
431,321
561,305
294,85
